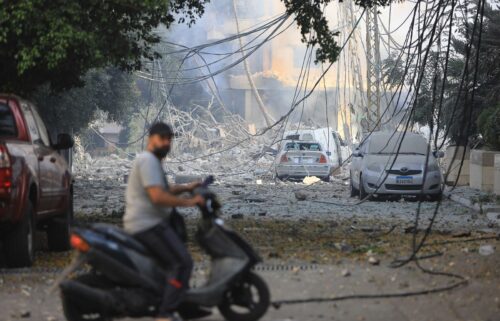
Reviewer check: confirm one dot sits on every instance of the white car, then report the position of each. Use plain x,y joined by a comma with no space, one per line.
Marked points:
383,165
330,141
298,159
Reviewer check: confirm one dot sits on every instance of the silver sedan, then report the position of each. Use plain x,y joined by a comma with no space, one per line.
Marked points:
383,165
298,159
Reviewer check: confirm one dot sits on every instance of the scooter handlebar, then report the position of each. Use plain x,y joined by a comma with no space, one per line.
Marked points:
209,180
212,204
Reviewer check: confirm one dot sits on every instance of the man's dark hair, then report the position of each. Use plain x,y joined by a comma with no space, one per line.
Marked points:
162,129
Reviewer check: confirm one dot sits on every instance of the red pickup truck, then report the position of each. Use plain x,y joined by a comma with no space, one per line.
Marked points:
35,183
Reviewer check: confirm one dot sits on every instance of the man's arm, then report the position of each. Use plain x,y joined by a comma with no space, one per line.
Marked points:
163,198
184,188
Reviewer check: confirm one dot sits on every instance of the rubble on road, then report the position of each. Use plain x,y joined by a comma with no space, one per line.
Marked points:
309,180
486,249
247,189
300,196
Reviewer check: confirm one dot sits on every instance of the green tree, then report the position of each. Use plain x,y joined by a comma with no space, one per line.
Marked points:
58,41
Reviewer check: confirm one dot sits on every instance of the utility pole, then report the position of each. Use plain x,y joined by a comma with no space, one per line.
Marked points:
373,69
358,98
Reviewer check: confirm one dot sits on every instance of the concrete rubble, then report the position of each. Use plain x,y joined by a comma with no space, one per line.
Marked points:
247,188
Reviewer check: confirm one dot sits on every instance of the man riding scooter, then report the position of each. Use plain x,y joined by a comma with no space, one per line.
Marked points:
150,200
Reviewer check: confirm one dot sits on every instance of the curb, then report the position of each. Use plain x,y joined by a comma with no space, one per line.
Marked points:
462,201
492,208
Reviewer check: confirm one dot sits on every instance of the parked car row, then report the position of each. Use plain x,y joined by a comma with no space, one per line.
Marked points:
36,187
386,163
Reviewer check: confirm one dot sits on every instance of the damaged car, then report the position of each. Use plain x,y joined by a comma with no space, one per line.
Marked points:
394,163
298,159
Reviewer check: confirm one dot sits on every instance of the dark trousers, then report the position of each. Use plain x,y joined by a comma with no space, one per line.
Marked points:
166,245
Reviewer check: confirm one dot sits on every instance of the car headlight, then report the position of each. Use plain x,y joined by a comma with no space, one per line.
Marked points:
374,167
434,167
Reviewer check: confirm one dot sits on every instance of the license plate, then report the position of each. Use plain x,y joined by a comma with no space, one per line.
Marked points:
403,180
307,160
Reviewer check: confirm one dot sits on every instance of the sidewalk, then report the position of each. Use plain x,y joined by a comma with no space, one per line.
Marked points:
481,202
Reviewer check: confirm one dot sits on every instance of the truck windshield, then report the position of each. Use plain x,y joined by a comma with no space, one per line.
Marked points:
303,146
7,122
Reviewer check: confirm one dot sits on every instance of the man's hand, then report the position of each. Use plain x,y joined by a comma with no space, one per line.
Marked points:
198,200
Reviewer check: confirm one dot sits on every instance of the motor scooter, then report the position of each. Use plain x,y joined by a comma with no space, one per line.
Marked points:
126,280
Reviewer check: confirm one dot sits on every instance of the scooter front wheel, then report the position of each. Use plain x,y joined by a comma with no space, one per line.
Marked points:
247,300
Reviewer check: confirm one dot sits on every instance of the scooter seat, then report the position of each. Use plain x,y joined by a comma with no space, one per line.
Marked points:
119,235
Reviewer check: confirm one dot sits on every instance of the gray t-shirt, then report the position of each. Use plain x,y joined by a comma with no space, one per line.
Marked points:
140,212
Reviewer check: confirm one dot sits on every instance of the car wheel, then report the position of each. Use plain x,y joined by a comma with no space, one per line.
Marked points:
362,192
436,197
326,179
58,230
354,191
19,245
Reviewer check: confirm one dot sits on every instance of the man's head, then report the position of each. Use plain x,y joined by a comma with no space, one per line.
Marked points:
160,138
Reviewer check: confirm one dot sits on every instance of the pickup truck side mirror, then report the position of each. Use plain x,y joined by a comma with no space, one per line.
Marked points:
438,153
357,153
64,141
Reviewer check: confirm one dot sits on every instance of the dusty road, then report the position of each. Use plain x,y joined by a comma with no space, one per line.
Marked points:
23,296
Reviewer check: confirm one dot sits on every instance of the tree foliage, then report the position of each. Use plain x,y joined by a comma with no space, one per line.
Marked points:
109,90
58,41
314,27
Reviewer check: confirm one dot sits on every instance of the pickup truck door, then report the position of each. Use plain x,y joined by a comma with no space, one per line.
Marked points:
50,175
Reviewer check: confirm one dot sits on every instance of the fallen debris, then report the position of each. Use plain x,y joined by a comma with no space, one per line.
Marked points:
373,260
25,314
309,180
346,273
486,249
300,196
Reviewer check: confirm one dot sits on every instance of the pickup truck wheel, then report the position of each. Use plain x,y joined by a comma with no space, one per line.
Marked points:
19,245
58,230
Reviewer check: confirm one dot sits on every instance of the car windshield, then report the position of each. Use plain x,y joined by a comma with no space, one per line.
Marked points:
412,144
7,122
302,146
